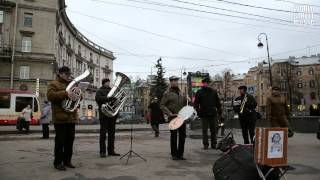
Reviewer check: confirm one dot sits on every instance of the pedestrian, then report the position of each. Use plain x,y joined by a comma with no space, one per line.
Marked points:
171,103
107,124
63,121
156,114
247,114
277,109
208,107
26,115
45,119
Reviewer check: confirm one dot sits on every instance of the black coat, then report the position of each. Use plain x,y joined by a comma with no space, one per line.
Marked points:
101,98
207,102
249,108
156,113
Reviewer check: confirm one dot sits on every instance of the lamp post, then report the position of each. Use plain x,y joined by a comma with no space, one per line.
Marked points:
260,45
183,73
289,77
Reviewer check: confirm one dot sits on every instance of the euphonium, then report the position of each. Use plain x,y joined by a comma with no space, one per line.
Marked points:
116,96
70,105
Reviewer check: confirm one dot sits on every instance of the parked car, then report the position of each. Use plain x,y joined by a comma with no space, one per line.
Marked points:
88,120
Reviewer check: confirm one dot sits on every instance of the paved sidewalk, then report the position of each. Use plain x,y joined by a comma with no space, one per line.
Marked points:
32,159
79,128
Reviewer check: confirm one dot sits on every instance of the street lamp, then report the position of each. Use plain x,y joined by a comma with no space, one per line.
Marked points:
183,73
260,45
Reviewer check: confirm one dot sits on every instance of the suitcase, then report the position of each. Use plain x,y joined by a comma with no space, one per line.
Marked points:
236,164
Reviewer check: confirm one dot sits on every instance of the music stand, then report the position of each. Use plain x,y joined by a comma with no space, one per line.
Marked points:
131,152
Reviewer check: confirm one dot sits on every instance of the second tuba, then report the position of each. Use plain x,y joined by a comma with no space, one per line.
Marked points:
116,96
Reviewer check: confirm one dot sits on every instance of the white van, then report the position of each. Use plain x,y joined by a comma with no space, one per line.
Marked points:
12,103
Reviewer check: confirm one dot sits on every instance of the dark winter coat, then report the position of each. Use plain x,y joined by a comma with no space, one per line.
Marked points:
101,98
277,111
156,114
207,102
56,94
172,102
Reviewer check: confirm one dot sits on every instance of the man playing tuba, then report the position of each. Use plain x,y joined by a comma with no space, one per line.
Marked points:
64,121
107,124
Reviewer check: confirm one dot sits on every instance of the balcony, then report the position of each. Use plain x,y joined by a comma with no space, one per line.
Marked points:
5,52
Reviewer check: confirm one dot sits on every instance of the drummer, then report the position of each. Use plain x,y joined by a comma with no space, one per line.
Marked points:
171,103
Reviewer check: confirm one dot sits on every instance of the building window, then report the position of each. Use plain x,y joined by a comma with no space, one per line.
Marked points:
27,22
299,85
311,71
24,72
298,73
91,57
97,72
283,86
312,84
79,50
261,86
1,16
26,44
313,95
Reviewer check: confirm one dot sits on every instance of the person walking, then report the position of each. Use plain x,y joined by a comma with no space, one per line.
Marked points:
171,103
45,119
208,107
26,115
277,109
156,114
64,122
107,124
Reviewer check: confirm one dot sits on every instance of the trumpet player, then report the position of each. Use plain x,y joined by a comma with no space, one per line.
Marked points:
107,124
64,122
247,114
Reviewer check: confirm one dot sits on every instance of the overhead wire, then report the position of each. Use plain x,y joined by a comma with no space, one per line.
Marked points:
205,17
159,35
216,13
259,7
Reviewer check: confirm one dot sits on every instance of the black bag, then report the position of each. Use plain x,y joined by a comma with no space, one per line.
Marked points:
290,132
237,164
226,143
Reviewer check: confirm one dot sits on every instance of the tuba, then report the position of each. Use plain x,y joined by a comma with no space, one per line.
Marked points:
70,105
116,96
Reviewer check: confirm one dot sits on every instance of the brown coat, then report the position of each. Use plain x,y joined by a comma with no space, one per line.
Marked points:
277,111
56,94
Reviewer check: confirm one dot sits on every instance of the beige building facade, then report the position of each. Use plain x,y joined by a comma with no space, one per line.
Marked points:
36,38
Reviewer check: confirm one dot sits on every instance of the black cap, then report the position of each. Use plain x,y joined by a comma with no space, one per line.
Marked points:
276,88
65,69
242,87
173,78
105,80
206,80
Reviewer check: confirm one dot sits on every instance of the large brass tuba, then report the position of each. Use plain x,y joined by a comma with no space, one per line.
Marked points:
70,105
116,97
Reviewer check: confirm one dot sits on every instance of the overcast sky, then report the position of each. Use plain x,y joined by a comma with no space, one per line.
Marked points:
187,38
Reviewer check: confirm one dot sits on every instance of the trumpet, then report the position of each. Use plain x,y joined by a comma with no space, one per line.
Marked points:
243,103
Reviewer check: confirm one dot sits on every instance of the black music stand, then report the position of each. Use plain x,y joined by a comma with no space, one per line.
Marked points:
130,153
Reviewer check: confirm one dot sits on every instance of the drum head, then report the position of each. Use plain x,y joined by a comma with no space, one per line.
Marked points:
175,123
186,112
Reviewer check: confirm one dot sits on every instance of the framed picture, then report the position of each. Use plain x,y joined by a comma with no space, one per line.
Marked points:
271,146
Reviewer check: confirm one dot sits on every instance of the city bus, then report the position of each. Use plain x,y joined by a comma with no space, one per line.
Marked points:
12,103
